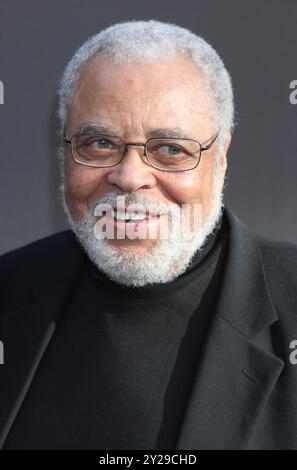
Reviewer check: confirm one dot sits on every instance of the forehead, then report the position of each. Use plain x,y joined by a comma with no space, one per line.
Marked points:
143,91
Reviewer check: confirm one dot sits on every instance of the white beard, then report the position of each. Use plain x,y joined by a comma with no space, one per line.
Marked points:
164,261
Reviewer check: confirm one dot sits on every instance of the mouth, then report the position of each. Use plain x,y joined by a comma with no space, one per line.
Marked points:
135,217
124,215
135,225
128,223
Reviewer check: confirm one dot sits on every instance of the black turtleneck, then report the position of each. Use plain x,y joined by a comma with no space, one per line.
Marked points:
119,369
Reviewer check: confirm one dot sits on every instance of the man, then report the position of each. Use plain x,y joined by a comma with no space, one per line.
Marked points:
160,321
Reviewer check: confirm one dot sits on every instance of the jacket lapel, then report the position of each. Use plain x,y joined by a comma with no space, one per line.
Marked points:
236,374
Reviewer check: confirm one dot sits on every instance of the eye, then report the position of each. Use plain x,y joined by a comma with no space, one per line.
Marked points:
100,143
170,149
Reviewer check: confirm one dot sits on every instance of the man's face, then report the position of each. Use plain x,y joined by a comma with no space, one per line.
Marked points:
134,101
137,102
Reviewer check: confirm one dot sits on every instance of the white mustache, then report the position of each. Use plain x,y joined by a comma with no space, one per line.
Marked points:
132,199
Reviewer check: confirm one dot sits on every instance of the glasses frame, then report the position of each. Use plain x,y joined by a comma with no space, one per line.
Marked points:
203,148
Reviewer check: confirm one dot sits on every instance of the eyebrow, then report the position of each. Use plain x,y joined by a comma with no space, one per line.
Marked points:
99,128
174,133
96,127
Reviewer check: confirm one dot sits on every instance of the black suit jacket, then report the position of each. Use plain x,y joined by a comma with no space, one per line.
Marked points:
245,392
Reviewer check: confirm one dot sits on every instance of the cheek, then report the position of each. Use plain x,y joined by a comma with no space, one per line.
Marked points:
80,185
189,187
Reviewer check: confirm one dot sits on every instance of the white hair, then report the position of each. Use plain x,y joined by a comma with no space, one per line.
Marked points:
151,41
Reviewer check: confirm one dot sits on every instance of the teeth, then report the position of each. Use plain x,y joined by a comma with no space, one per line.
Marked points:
122,215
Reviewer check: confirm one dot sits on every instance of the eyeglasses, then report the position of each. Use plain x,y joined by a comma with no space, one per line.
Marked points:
165,154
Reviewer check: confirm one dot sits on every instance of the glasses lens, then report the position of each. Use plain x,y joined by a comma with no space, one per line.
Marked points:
173,154
97,150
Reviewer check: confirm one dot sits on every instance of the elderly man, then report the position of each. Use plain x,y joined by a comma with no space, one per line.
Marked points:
160,320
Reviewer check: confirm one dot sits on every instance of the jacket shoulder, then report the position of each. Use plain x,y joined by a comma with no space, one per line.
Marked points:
279,258
46,250
36,268
280,267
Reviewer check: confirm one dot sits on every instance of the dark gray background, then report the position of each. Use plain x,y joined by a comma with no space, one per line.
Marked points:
257,40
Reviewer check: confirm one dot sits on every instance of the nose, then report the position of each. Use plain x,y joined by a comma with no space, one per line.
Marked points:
132,172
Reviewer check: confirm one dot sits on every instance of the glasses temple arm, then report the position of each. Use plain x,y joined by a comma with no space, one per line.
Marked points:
207,146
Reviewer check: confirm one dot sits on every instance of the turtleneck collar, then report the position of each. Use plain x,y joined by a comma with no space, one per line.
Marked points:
198,264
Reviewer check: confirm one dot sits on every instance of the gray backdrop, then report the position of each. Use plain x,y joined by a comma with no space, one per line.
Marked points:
258,42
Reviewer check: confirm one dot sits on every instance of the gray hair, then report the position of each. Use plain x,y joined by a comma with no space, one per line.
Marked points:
153,41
